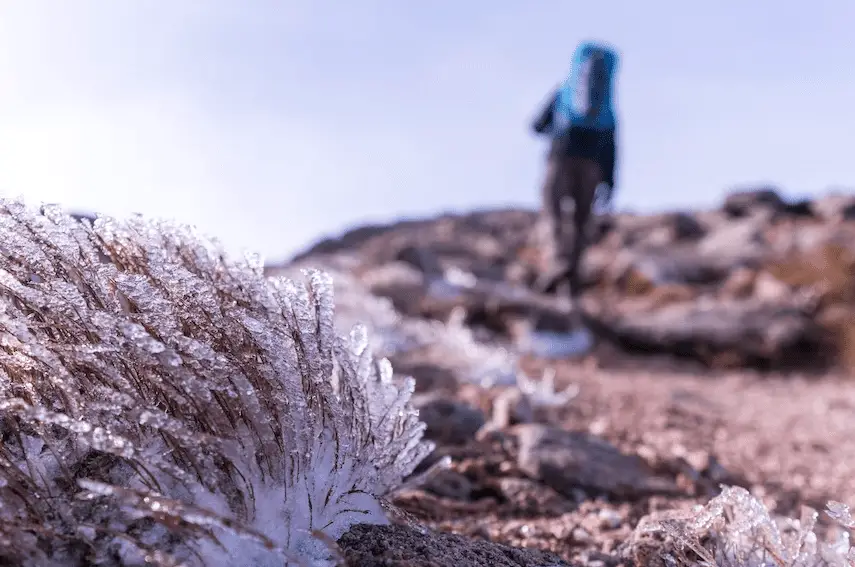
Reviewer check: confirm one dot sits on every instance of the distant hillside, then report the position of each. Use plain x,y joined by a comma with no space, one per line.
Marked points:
758,281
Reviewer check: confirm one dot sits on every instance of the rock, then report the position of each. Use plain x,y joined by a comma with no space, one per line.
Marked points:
393,274
566,461
827,272
350,240
758,332
430,377
734,244
496,304
368,545
672,293
400,282
662,230
610,519
449,484
740,204
557,345
448,421
769,288
835,207
639,277
657,230
530,497
839,323
804,238
638,272
739,284
686,226
420,258
802,208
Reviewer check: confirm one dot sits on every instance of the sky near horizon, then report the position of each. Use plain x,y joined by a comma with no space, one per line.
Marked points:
272,123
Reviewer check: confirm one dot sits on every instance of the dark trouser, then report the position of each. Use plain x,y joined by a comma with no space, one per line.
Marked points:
573,172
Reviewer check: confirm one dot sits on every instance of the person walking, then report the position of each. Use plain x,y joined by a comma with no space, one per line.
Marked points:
581,122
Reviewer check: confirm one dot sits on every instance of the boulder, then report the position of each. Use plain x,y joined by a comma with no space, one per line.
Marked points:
448,421
745,203
402,283
420,258
835,207
660,229
567,461
739,284
685,226
639,271
752,331
735,244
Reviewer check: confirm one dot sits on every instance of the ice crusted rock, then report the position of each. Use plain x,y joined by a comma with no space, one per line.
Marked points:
161,404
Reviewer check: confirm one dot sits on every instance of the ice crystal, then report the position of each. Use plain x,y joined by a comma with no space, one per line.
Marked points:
161,404
542,392
735,529
484,363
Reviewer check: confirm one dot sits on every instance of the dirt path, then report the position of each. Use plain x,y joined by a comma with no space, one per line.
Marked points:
786,433
787,438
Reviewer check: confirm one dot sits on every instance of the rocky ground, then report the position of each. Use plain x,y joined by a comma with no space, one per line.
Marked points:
723,343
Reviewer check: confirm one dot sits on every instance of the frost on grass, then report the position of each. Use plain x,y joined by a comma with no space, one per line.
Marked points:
486,363
160,404
474,361
735,529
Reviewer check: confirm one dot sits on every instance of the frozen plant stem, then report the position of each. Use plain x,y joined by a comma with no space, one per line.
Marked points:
735,529
160,403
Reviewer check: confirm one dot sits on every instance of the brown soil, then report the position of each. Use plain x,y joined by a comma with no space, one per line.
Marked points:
787,438
682,423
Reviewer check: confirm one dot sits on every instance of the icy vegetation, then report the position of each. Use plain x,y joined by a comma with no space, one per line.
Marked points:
735,529
484,363
163,405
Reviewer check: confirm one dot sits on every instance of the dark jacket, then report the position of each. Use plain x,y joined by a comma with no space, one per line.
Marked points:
577,141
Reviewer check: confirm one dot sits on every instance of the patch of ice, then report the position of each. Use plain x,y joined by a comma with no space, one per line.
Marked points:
441,288
542,392
550,344
458,277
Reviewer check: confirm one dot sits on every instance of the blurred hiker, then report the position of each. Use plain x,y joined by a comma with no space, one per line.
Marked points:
580,120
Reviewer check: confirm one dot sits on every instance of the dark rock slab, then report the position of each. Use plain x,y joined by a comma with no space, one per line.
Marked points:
420,258
743,203
395,545
685,226
448,421
751,331
836,207
567,461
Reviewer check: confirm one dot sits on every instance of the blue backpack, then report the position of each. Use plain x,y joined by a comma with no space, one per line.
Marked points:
585,98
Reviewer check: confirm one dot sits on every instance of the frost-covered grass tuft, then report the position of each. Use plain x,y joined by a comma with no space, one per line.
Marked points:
163,405
735,529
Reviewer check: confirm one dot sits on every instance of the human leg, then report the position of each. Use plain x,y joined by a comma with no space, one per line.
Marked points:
551,217
586,176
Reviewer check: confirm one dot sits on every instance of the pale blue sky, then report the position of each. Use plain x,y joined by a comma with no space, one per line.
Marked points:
270,123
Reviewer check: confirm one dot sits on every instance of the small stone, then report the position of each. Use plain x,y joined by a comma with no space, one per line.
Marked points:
566,460
581,535
448,421
609,519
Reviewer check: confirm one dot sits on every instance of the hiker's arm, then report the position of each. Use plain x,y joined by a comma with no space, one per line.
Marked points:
544,119
612,157
608,163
